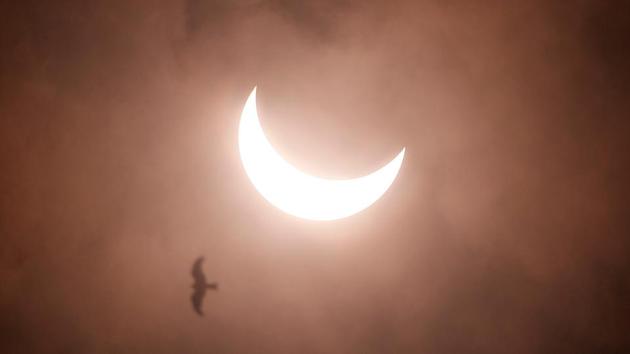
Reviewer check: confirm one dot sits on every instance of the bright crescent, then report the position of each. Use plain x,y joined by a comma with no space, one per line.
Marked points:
298,193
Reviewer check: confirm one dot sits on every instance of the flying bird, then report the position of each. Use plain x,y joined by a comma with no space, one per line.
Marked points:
200,286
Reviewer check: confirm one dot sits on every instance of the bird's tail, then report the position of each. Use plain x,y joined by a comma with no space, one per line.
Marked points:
213,286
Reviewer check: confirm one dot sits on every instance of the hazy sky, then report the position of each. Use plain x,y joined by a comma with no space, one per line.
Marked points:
505,232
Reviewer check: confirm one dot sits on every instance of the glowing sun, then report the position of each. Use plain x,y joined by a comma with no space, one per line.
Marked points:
298,193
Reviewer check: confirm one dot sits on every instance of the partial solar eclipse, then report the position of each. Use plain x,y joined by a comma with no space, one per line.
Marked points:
301,194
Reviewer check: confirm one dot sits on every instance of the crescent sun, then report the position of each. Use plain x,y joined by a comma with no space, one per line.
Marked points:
301,194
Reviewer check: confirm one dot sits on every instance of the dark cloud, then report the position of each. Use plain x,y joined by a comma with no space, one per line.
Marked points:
317,20
605,29
505,232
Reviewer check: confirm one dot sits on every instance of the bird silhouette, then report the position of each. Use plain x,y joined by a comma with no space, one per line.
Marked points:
200,286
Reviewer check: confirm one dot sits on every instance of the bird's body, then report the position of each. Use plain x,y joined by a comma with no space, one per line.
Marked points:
204,287
200,286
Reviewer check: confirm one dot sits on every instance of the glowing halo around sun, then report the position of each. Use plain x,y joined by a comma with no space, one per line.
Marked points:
298,193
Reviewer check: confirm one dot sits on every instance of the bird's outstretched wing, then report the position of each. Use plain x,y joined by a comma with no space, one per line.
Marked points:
197,300
197,273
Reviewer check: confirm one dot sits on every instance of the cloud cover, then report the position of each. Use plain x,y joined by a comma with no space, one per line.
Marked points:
506,230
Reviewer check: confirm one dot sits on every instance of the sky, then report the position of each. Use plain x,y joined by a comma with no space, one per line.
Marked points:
506,230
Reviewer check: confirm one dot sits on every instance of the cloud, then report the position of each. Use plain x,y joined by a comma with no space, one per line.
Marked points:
119,168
